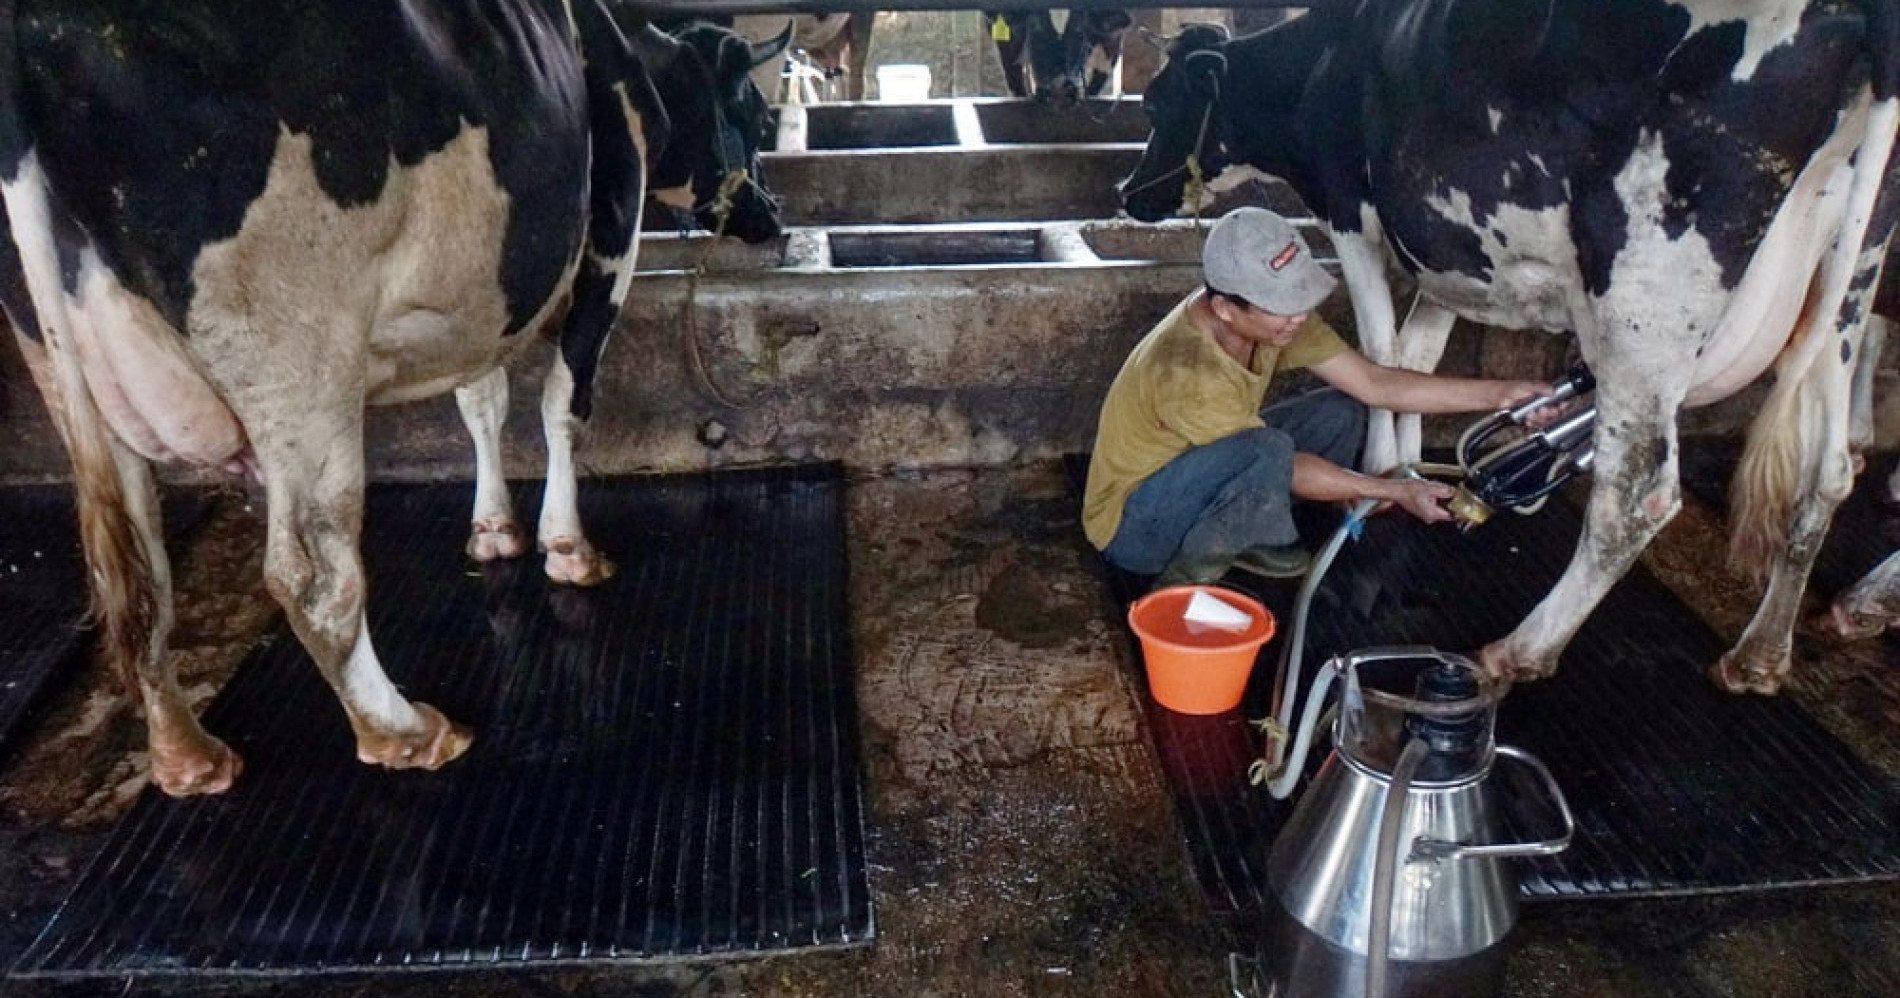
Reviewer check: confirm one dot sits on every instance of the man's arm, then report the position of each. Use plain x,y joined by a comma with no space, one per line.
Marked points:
1318,479
1411,391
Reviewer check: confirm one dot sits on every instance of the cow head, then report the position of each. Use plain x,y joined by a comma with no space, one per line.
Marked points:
1085,56
717,119
1182,103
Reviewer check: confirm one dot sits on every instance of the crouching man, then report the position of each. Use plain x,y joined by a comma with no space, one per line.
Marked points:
1190,478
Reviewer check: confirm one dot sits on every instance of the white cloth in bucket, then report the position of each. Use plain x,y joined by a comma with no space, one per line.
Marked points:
1209,612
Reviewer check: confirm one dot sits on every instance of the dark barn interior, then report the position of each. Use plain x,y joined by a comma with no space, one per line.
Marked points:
862,713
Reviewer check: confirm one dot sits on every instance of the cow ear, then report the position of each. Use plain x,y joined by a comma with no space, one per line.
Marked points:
771,49
1206,69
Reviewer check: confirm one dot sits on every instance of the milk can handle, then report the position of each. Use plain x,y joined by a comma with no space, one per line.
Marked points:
1424,848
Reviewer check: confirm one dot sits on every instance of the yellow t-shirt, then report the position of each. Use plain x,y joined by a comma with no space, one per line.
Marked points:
1179,389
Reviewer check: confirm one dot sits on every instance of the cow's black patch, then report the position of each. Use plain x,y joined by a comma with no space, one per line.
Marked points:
1401,103
14,297
157,122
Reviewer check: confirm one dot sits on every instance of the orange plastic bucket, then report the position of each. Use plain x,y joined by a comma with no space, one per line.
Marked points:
1197,668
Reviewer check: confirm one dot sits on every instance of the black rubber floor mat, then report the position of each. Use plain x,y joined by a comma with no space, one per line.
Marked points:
1677,789
43,588
665,766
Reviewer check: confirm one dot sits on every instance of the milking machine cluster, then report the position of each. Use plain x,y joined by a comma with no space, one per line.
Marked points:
1390,878
1518,474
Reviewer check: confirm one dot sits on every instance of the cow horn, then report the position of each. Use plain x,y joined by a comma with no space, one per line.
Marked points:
766,51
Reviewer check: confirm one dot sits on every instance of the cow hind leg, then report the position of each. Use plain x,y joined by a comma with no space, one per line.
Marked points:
1810,422
313,566
570,557
493,532
1860,416
129,576
186,760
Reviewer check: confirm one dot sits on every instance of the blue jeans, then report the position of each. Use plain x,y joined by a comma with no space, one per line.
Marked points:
1220,499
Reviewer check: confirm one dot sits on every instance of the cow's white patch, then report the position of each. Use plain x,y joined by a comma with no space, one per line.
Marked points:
1235,175
400,295
366,689
1497,118
560,506
1665,292
1768,24
1533,277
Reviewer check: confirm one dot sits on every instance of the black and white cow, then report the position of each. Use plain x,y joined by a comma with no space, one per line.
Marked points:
1081,59
238,224
1680,182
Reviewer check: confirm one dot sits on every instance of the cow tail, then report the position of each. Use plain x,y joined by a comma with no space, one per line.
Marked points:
124,592
1771,470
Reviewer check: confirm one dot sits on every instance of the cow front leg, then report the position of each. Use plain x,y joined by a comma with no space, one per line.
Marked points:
313,566
1635,492
1421,344
570,557
493,532
1362,261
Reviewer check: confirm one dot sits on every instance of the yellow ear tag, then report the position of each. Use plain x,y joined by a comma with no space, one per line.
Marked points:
999,30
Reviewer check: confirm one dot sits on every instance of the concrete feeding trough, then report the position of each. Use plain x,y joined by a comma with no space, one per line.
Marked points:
935,248
873,126
1096,120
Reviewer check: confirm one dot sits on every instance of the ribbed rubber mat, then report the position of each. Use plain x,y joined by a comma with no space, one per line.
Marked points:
1677,789
664,766
43,588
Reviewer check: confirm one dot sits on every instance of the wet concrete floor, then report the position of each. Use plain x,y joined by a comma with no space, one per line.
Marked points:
1020,839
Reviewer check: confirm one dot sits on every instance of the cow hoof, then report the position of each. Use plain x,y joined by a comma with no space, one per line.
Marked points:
489,540
575,562
439,742
209,768
1731,675
1851,626
1503,667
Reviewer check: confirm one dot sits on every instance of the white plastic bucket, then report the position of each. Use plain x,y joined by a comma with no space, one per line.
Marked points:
903,82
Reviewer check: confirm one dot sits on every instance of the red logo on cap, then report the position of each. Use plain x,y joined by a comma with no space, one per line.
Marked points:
1284,257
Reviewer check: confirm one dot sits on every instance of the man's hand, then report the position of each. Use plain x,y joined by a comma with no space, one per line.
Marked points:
1421,497
1512,394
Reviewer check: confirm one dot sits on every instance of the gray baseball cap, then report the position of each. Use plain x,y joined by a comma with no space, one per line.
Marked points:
1259,256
